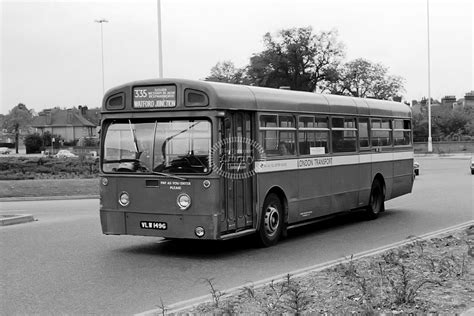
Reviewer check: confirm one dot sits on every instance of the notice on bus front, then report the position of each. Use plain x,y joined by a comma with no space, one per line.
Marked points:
154,97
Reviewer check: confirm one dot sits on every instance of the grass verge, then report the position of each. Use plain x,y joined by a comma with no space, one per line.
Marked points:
424,276
34,167
49,187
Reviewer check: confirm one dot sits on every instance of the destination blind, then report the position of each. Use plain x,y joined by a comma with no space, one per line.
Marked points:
154,97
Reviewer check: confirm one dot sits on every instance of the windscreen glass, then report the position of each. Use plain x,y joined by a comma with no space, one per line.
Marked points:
174,146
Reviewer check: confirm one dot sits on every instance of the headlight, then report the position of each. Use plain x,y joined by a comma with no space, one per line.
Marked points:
105,181
124,199
199,231
184,201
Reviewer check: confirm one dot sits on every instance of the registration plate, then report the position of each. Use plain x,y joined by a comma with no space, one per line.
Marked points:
154,225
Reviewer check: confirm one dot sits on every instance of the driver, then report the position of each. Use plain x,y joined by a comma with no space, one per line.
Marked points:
144,153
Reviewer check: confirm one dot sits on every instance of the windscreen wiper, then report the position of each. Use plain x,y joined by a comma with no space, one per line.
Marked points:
163,147
120,160
134,137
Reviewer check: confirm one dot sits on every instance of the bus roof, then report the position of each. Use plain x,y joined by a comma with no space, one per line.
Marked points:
223,96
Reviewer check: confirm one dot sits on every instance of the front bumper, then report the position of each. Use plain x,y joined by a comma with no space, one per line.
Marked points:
158,225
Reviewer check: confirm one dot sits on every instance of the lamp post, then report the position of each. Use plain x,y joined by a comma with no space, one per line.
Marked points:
160,49
430,141
101,22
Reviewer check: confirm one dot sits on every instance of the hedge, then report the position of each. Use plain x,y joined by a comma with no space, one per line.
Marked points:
21,168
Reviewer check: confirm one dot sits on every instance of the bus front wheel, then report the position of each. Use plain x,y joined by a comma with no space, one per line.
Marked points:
271,223
376,202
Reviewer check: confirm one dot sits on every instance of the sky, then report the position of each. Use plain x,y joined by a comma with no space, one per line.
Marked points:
51,49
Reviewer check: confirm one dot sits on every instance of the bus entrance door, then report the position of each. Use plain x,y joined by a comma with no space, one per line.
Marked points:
237,165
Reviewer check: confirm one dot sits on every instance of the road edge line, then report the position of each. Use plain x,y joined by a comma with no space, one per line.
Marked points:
190,303
49,198
13,219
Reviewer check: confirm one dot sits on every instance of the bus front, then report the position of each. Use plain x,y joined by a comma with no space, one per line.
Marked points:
156,172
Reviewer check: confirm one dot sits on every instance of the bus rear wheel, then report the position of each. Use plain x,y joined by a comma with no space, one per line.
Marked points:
271,223
376,201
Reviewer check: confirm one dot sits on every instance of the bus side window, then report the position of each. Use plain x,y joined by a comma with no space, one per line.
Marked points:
381,132
364,133
313,135
344,135
278,134
286,145
286,124
401,132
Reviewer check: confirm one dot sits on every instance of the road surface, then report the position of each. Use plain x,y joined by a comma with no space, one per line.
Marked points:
63,264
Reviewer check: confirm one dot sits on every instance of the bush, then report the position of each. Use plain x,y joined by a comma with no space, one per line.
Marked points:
8,145
91,142
33,143
47,139
70,143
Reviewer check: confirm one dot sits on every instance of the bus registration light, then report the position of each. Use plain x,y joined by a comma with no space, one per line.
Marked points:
184,201
199,231
124,199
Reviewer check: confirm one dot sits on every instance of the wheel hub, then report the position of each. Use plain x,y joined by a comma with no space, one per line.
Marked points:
272,220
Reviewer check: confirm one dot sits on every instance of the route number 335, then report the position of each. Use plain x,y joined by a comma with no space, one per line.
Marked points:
141,93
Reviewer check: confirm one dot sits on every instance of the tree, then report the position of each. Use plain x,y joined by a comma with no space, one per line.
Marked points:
453,122
303,60
362,78
227,72
420,129
295,57
18,118
470,128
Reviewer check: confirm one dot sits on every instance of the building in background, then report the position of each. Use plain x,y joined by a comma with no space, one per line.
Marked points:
448,101
467,101
71,124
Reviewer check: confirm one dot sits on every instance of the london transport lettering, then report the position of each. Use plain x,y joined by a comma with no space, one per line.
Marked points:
314,162
291,164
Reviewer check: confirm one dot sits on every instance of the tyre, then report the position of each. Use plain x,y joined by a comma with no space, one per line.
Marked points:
271,223
417,172
376,201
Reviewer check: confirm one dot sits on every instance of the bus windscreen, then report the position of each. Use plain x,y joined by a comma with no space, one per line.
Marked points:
174,146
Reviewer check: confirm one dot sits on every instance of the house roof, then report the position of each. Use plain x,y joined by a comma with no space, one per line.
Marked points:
93,116
60,118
